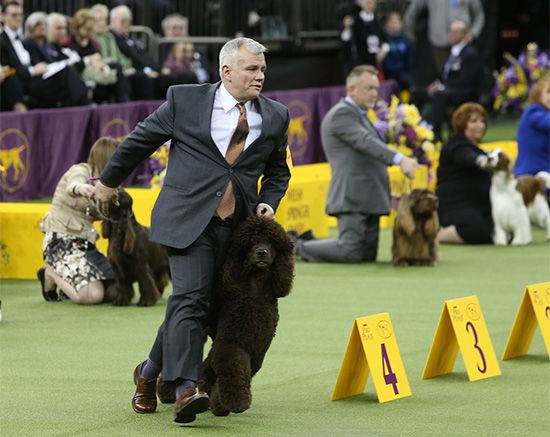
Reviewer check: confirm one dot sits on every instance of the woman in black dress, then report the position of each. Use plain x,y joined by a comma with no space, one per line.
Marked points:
463,183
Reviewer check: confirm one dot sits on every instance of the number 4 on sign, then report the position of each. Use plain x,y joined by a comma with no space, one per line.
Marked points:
461,325
372,347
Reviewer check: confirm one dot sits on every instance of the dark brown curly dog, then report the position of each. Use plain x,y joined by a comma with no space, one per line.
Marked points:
132,256
259,269
415,229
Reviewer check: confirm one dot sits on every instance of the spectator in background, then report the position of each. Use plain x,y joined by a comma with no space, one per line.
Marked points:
463,183
359,191
362,35
107,79
182,60
11,91
459,80
173,26
106,40
441,14
398,59
73,263
56,88
534,131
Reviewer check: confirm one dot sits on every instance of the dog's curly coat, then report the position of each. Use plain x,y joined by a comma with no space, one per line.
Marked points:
415,229
132,256
259,269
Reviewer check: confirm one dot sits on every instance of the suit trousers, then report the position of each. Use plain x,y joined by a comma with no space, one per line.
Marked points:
357,241
179,344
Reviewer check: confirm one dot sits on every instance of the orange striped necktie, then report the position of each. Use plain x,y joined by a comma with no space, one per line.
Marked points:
226,207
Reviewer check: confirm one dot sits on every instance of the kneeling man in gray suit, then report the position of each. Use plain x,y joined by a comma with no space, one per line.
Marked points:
225,136
359,191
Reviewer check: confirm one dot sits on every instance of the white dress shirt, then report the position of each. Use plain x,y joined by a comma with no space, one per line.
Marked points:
20,50
225,116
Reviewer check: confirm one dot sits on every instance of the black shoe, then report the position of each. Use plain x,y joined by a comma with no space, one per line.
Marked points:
307,236
63,296
49,296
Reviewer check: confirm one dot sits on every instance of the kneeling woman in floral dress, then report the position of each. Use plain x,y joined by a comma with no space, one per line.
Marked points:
73,263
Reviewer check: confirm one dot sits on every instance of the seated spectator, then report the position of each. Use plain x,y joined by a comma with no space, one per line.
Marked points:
107,79
11,91
399,55
73,263
459,80
463,184
362,36
534,131
182,60
173,26
43,84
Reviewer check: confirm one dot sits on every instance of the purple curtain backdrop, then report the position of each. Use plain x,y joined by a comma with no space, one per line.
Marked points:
38,146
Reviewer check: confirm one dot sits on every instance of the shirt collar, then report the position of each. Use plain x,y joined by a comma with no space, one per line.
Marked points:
355,105
457,48
11,34
365,16
228,102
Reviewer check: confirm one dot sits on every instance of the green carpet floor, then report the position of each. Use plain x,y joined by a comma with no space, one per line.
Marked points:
65,370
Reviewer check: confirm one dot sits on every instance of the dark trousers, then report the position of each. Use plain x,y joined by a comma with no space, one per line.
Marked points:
180,338
357,241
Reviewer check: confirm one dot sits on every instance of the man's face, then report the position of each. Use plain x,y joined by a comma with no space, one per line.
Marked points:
121,23
457,32
13,17
364,91
175,27
244,75
58,31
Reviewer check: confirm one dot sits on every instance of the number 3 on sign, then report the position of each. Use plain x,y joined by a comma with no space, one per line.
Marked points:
470,326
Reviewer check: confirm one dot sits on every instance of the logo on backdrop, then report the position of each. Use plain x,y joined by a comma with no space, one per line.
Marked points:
15,158
297,128
116,128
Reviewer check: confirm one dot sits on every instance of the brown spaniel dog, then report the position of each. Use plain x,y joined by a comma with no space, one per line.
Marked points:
415,229
132,256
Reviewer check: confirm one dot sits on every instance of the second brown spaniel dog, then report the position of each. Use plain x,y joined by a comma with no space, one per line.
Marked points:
133,257
415,229
259,269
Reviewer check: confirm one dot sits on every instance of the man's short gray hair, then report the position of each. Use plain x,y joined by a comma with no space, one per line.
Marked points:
184,20
121,9
231,47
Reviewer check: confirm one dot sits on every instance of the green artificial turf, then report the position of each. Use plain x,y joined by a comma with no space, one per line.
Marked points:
66,370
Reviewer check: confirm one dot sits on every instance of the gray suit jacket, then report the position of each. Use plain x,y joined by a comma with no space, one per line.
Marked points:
358,160
198,174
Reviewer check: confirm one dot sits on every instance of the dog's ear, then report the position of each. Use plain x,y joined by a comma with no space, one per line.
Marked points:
106,229
129,238
404,220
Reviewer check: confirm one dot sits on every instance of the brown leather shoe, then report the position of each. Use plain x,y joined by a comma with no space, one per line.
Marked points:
189,404
145,397
166,390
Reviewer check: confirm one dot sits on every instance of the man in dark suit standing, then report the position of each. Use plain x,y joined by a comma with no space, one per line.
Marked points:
224,138
459,82
359,191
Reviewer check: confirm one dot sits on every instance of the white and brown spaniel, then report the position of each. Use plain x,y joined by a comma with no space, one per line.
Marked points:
515,202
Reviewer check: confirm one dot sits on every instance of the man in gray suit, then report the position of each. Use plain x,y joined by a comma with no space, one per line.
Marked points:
359,188
224,138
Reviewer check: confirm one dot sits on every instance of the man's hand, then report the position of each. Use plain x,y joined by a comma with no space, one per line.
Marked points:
408,165
264,210
103,196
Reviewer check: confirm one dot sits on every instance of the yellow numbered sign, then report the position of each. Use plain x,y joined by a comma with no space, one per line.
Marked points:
534,309
372,347
461,325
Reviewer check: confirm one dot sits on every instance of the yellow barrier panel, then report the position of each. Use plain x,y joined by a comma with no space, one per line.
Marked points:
534,309
462,325
372,347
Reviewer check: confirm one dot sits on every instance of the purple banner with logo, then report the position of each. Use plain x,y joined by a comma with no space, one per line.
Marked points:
38,146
